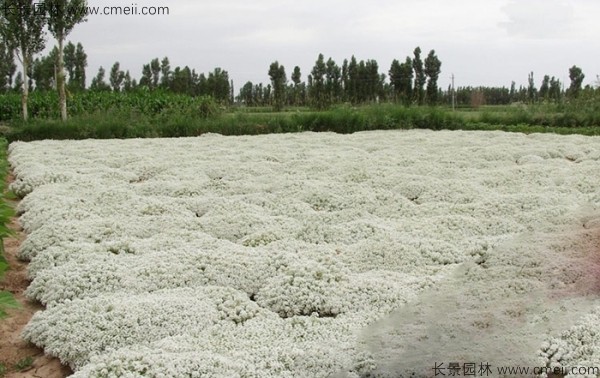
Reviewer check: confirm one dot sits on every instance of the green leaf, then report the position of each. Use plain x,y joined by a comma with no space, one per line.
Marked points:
7,300
3,266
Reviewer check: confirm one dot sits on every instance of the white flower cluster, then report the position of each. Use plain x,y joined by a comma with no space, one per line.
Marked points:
267,256
126,320
577,347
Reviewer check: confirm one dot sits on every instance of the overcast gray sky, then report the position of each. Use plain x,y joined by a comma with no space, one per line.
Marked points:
483,42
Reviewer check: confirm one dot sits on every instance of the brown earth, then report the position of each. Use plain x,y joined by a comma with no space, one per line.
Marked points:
13,348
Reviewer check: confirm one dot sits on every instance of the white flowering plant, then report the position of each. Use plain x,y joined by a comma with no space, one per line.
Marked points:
312,255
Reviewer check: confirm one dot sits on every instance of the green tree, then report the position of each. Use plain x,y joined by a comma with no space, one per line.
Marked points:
165,72
351,88
266,95
298,88
218,86
98,83
278,83
395,74
78,82
362,83
62,16
182,80
128,85
69,61
44,71
7,66
316,89
246,95
420,77
345,80
22,30
195,83
555,91
201,86
155,69
433,67
576,75
405,81
513,92
333,82
373,82
544,92
531,90
146,79
116,77
257,94
18,86
75,61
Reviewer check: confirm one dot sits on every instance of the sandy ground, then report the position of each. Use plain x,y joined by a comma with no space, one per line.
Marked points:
12,348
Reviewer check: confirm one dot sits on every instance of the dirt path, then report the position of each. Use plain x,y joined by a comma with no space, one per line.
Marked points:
12,348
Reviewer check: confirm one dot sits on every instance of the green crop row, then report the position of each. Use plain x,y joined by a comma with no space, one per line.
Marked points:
44,105
173,123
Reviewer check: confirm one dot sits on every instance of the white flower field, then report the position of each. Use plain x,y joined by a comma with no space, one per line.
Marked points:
376,254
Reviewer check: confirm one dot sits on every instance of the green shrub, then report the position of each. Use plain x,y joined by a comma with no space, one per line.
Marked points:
207,107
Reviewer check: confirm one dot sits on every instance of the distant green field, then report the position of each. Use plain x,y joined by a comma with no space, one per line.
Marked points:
143,114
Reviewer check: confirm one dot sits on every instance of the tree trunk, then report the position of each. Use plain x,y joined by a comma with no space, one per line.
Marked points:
25,88
60,78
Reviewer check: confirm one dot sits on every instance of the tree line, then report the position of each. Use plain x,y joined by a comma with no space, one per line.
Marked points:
22,33
158,75
412,81
356,82
551,90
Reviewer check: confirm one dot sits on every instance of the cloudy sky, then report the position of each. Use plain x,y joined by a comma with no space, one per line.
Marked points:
483,42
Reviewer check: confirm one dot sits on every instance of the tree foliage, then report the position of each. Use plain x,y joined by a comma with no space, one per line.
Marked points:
544,92
7,66
22,30
576,75
98,83
432,71
77,82
44,71
116,77
62,17
401,78
420,77
165,72
333,82
531,90
278,83
316,87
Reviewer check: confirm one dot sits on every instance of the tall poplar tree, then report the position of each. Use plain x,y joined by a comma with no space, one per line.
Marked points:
22,30
317,84
63,15
420,77
576,75
7,66
278,82
80,65
433,67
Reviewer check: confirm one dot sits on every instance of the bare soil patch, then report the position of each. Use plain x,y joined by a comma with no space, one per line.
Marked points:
13,349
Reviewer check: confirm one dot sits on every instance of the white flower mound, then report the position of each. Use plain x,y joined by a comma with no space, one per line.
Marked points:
312,255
